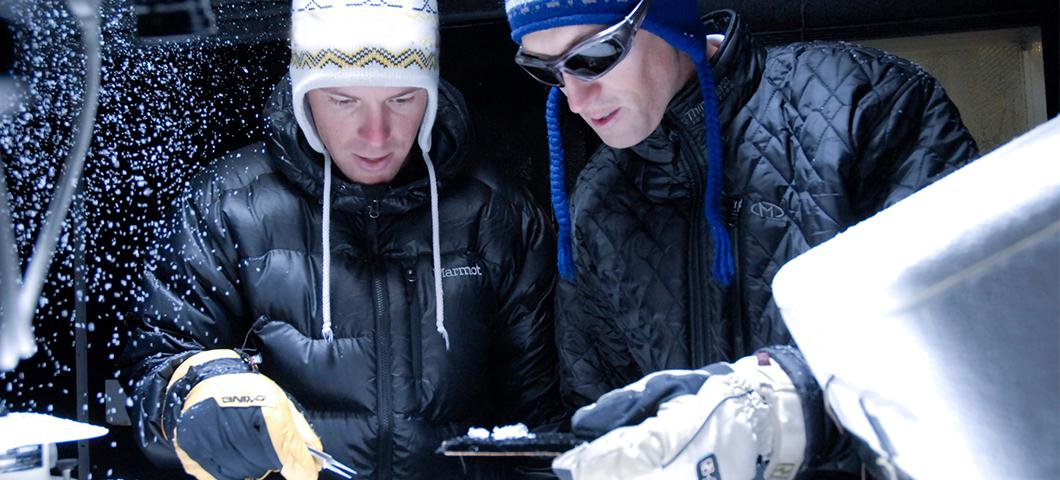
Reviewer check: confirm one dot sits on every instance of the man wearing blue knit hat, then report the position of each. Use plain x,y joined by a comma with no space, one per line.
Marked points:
722,161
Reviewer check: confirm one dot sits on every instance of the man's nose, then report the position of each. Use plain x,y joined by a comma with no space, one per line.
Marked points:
374,128
580,93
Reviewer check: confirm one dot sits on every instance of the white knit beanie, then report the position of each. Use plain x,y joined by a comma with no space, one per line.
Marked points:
370,43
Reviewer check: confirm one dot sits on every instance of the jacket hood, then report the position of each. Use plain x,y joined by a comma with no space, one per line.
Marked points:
304,167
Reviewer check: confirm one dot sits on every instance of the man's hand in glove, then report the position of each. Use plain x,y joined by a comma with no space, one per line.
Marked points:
229,422
720,422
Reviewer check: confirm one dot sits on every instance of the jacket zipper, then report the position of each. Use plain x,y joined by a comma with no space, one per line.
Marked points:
382,350
373,209
415,329
740,340
697,269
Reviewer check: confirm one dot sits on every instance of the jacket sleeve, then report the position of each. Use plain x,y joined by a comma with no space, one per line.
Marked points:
581,365
523,342
906,133
594,355
188,300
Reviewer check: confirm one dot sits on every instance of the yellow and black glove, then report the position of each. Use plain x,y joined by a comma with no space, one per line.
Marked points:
229,422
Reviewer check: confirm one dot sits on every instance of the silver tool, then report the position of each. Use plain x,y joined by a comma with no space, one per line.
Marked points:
333,465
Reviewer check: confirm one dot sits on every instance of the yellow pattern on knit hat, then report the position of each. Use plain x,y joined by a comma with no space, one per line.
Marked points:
410,57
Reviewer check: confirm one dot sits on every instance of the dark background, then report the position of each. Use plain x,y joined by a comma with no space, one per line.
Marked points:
167,108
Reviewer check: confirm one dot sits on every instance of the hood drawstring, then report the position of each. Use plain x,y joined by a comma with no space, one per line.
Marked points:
325,329
436,251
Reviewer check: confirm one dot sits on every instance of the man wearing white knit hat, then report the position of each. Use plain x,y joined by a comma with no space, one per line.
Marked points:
355,284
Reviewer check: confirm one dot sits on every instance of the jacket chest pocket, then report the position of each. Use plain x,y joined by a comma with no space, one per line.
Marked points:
467,279
470,304
415,309
468,294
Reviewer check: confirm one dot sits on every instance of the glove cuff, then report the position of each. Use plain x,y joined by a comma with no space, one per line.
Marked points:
811,400
784,434
195,369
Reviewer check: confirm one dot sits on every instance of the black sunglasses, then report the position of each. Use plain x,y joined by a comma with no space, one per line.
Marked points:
591,58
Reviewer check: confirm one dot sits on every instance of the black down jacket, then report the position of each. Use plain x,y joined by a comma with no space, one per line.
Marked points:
243,266
817,137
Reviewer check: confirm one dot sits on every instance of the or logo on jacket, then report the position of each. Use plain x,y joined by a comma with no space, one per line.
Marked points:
767,210
470,270
243,399
708,468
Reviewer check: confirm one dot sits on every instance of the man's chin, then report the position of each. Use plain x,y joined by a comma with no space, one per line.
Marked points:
619,140
371,173
368,178
376,178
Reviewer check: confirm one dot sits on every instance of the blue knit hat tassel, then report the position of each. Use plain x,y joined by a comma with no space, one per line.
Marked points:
557,179
723,267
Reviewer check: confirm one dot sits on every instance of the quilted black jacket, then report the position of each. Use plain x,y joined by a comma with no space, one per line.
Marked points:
818,136
243,265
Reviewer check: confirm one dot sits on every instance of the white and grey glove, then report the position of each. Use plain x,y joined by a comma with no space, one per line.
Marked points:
720,422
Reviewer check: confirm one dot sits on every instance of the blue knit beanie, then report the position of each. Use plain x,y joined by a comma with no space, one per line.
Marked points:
675,21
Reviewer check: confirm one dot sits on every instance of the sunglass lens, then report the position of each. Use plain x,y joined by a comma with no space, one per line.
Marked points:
543,75
594,59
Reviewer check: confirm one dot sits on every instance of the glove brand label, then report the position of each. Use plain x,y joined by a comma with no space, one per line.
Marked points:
243,399
707,468
784,470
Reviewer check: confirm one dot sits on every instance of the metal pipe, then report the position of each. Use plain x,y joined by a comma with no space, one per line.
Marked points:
12,344
80,225
19,305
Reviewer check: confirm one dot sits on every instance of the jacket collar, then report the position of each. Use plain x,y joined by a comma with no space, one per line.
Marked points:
737,66
304,167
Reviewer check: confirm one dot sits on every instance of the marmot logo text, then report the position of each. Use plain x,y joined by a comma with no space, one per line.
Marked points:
475,271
